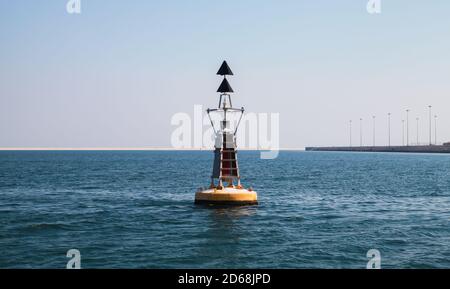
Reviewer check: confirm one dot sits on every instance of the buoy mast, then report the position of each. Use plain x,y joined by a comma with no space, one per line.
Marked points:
225,185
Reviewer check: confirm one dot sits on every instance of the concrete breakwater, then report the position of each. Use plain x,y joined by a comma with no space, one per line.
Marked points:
399,149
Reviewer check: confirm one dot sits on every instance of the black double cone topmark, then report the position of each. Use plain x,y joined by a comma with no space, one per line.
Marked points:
225,86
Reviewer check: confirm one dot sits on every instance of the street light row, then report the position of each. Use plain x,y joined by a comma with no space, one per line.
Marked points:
403,129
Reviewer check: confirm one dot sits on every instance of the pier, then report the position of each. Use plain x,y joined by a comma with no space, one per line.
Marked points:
390,149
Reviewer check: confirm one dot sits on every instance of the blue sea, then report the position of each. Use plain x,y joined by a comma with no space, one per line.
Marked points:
134,209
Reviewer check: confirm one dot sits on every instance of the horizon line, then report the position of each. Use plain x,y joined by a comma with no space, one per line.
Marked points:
133,149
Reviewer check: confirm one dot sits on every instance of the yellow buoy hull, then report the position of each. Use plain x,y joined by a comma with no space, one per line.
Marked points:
226,196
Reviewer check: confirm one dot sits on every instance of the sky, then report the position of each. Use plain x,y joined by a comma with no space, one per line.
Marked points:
114,75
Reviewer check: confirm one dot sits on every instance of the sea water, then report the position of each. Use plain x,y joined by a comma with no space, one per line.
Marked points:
135,209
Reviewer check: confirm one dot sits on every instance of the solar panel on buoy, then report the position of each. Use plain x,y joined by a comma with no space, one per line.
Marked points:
226,187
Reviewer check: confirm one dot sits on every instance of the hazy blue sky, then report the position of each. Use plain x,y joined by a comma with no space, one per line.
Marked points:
114,75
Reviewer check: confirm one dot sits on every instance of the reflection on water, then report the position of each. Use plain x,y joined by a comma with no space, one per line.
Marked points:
232,211
225,233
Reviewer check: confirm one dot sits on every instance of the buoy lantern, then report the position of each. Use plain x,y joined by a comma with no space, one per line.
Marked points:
226,187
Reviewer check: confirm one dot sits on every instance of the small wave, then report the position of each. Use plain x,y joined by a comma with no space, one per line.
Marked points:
294,219
44,226
90,188
330,217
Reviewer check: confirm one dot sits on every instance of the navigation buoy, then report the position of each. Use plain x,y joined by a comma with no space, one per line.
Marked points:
226,187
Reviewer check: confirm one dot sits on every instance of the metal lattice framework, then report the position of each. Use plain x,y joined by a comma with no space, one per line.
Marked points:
225,167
